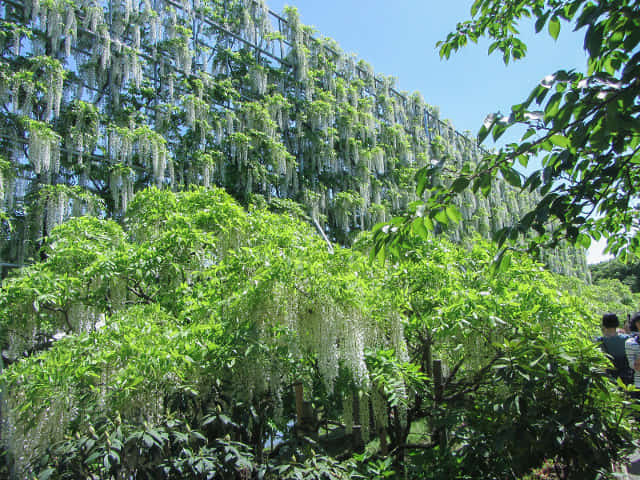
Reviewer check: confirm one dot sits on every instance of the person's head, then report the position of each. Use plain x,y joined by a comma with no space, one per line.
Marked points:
610,320
634,323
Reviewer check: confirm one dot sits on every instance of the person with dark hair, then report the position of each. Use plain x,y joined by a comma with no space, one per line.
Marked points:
632,348
614,344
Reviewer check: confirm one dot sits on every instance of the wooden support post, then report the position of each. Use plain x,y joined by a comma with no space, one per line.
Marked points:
308,415
441,432
429,356
356,430
437,379
356,409
384,449
357,441
299,391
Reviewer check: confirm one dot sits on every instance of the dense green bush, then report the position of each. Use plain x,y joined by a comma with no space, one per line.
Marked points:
168,348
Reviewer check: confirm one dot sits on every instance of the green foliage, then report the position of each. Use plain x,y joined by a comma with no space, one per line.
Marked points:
604,295
627,273
519,363
583,127
167,348
547,395
195,306
171,450
166,345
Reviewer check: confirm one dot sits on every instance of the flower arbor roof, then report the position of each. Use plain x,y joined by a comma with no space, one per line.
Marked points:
110,96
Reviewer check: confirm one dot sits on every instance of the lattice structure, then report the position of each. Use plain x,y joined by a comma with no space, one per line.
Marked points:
102,98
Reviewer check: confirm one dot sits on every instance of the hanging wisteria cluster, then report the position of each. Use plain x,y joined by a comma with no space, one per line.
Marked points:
264,278
275,111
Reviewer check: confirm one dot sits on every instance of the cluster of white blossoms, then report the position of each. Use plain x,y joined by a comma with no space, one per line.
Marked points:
255,21
121,186
240,150
343,218
196,112
369,126
279,111
206,175
297,38
44,148
129,66
335,334
258,79
322,118
248,26
377,160
104,47
229,121
53,93
121,145
57,206
151,146
85,318
22,84
28,442
182,53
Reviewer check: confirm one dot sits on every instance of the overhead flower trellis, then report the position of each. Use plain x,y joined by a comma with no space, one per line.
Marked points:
160,85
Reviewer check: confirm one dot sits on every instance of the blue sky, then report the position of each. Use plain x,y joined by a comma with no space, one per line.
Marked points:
398,39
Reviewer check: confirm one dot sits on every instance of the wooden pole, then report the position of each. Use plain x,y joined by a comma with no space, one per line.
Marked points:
357,428
356,409
299,391
384,449
308,415
357,438
437,379
441,432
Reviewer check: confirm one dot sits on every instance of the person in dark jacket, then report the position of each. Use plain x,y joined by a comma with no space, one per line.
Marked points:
613,344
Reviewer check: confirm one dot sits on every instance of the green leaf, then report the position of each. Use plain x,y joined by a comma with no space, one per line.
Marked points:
46,473
453,213
501,262
560,141
428,223
460,184
583,240
421,180
482,133
498,130
92,458
441,217
554,27
593,40
474,7
418,228
148,440
487,126
512,177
